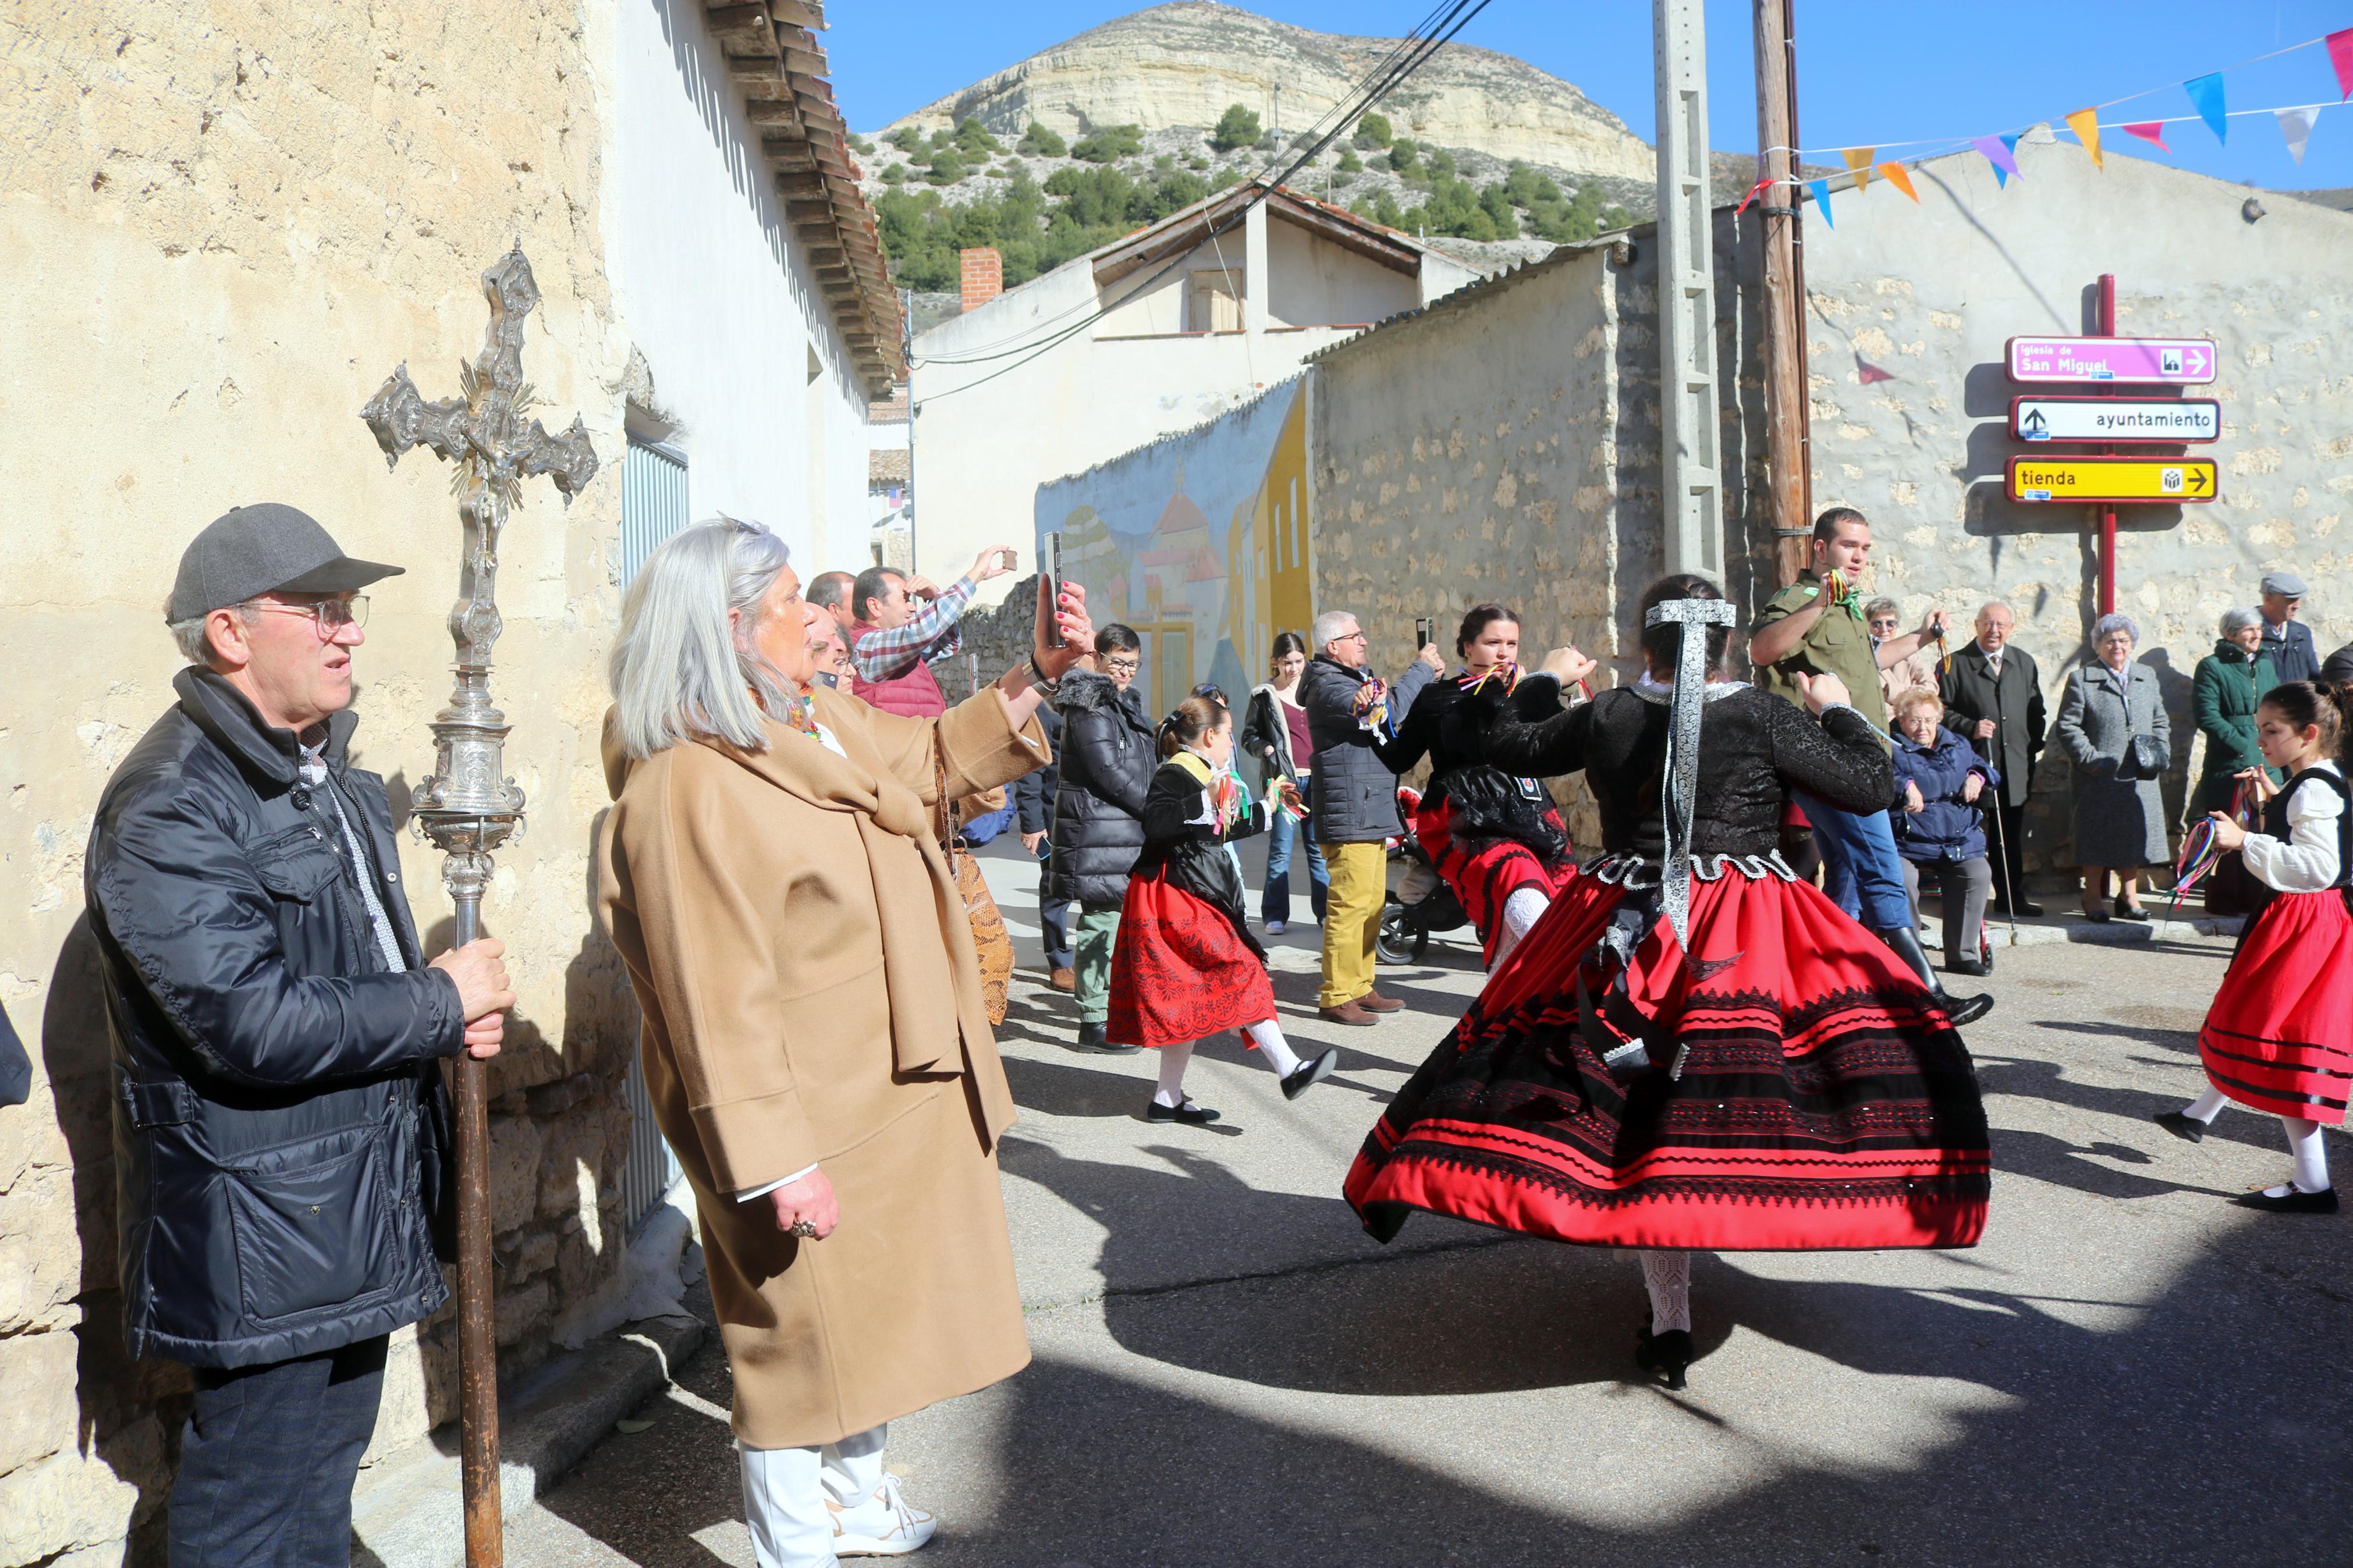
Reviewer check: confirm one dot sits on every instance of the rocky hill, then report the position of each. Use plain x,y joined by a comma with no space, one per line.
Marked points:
1181,64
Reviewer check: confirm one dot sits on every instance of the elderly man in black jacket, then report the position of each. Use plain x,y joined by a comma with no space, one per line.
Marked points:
1993,694
281,1130
1354,802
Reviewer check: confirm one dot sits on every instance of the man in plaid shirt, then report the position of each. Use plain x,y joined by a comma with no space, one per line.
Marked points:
903,623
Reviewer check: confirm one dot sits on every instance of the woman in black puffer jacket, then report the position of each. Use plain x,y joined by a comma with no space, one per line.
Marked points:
1108,755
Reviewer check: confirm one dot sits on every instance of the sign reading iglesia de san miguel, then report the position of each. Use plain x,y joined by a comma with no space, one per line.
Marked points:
2113,421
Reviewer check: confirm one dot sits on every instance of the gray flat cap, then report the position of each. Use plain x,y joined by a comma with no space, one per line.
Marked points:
263,548
2286,584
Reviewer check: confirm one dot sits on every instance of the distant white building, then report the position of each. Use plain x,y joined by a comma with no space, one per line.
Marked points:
889,505
1171,325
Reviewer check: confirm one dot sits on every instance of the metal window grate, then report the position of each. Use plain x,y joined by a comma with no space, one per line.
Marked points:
653,506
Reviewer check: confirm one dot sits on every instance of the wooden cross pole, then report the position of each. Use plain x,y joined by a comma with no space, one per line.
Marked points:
467,806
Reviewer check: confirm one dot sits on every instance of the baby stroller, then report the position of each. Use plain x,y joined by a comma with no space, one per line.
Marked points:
1419,903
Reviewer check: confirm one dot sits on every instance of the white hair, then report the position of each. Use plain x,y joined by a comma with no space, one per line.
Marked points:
678,672
2116,622
1331,625
2235,621
195,645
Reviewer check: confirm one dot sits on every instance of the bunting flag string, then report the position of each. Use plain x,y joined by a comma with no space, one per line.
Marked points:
2208,99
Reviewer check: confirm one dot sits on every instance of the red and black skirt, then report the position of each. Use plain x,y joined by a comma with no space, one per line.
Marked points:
1485,873
2279,1034
1800,1090
1180,970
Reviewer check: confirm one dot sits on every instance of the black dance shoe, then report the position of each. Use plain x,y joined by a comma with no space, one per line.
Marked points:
1666,1356
1979,967
2134,913
1308,1074
1191,1114
2296,1199
2182,1125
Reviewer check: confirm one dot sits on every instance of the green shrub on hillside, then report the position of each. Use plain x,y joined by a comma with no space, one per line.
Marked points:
1111,143
1349,162
1403,162
1526,187
895,175
861,145
1237,127
907,139
1373,131
973,137
1038,142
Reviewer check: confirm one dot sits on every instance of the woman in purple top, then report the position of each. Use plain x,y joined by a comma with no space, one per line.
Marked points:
1275,733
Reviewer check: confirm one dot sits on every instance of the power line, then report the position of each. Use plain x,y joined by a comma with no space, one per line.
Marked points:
1456,17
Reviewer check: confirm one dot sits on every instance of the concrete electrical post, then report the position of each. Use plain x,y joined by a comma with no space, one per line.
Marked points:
1692,494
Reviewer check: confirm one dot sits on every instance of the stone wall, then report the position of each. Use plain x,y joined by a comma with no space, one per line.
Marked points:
227,225
1504,443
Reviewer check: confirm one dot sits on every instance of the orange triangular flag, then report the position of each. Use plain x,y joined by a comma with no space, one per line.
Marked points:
1894,175
1859,160
2086,124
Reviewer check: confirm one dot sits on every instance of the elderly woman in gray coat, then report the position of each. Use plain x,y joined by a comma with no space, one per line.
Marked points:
2110,703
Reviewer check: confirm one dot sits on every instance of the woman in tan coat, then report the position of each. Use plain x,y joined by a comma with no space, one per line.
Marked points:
814,1043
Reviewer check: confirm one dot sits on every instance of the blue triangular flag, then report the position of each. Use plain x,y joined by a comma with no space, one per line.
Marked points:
2206,97
2011,143
1822,189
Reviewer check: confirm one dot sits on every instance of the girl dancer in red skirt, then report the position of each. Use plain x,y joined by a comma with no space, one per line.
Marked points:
1187,967
2279,1036
1693,1048
1498,840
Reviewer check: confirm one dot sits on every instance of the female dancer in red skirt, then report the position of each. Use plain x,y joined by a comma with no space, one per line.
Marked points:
1498,840
2279,1036
1187,967
1693,1048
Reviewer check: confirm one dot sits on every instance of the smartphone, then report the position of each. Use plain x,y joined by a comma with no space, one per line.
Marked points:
1012,558
1425,632
1050,633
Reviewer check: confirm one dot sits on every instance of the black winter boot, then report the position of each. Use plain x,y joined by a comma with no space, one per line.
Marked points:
1962,1010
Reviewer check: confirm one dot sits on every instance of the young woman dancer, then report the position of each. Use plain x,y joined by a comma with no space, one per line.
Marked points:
1498,840
1693,1048
1187,967
2279,1036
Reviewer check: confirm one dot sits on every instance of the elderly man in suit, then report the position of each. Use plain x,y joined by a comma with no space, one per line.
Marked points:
1993,694
2287,642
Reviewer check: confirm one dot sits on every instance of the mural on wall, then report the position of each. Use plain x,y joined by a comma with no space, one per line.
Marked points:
1198,541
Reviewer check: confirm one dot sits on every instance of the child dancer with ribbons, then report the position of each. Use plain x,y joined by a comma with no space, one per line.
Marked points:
2279,1034
1187,967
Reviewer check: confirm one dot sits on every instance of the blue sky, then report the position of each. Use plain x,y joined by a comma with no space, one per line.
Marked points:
1876,73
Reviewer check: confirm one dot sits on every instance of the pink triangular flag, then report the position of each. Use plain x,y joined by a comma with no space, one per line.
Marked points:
2151,130
1869,374
2340,56
2295,126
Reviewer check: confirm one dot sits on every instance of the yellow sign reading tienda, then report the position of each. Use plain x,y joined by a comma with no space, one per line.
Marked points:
2163,479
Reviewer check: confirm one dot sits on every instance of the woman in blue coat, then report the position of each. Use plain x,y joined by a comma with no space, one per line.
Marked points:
1939,826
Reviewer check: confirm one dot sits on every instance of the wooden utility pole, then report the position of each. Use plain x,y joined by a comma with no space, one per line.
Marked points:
1788,483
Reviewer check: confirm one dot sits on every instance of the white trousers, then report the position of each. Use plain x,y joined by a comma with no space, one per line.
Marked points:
785,1491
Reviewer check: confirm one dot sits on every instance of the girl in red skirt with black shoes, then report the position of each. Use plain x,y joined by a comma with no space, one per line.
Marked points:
1693,1048
1497,839
1187,967
2279,1036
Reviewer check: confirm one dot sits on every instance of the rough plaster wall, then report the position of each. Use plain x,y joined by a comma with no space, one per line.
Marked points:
225,224
1930,293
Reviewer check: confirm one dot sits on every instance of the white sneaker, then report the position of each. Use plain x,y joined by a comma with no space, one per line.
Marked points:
884,1525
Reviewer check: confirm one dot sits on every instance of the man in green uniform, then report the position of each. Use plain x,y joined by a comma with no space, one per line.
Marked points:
1815,627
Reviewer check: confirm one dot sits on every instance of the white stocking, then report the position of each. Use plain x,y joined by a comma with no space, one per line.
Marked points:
1267,1035
851,1469
1667,1277
783,1505
2311,1154
1521,912
2207,1106
1173,1061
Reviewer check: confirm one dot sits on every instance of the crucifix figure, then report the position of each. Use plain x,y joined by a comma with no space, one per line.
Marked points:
467,806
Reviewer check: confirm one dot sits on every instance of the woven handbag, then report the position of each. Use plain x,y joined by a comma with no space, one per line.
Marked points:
991,941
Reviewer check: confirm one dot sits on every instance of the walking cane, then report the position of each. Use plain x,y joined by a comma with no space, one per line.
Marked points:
2001,858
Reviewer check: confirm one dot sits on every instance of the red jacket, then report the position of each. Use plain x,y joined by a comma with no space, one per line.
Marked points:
915,693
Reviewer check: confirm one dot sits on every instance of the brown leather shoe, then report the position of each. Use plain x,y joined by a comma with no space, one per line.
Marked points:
1062,980
1374,1002
1347,1013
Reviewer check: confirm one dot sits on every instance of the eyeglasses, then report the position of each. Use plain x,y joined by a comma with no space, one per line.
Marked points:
1122,666
1350,637
329,616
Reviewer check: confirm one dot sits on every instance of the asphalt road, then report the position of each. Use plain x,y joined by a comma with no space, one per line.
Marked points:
2129,1370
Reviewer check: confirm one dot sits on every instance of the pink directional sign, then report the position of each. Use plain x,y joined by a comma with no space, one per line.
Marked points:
2184,361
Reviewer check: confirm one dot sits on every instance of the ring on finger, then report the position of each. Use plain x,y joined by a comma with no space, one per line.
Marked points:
802,1227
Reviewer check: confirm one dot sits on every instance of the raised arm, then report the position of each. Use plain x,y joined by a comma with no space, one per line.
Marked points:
1535,737
1836,757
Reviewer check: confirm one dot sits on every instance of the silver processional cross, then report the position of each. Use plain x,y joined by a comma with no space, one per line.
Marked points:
467,806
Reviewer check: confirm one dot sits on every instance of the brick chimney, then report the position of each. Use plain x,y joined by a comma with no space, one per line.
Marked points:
983,275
